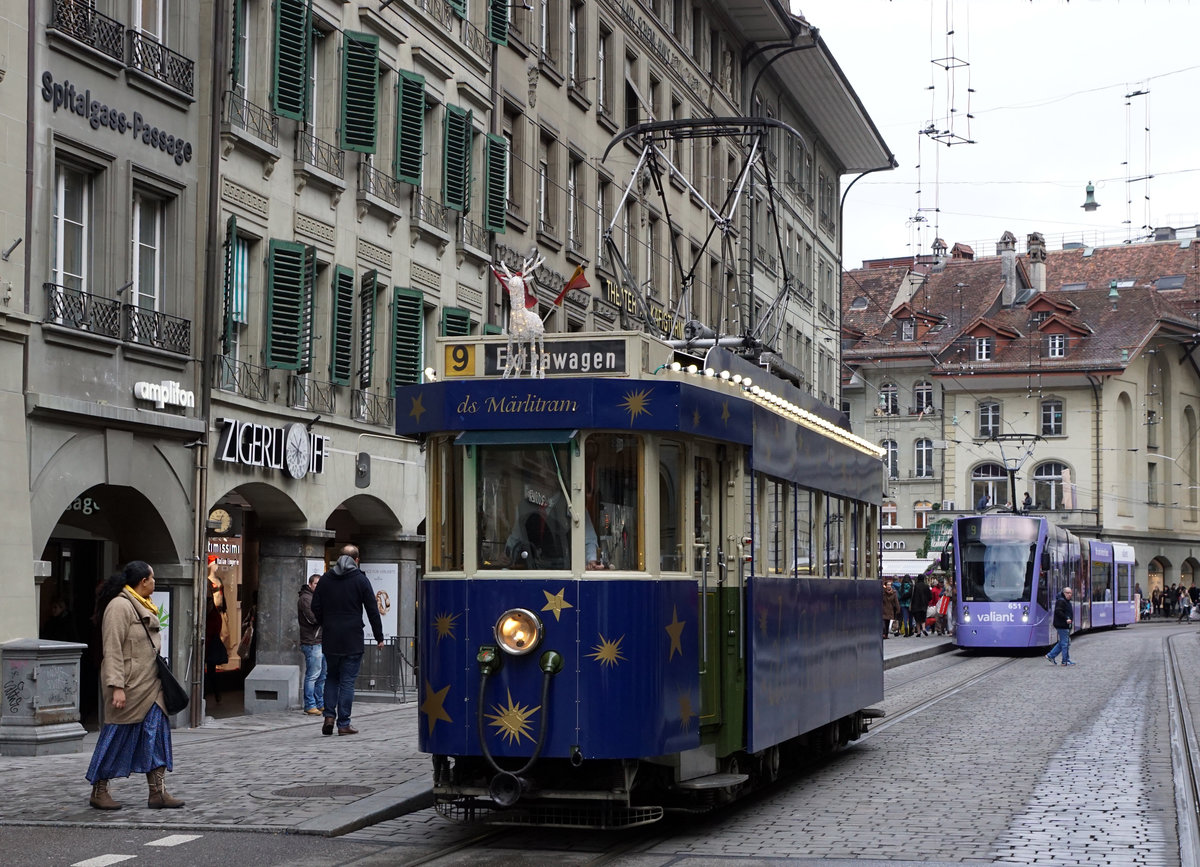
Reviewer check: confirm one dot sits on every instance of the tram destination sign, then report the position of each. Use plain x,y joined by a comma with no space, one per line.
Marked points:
565,357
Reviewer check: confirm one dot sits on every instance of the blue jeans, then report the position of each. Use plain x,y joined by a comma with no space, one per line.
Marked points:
1064,644
314,675
342,670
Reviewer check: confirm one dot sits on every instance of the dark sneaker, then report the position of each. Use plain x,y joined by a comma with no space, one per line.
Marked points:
347,730
1068,663
327,726
1051,660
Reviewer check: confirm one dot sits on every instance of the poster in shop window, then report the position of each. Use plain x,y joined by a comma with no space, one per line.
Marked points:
385,584
229,570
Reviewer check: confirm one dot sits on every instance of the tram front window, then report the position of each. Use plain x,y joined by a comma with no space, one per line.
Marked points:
999,571
523,519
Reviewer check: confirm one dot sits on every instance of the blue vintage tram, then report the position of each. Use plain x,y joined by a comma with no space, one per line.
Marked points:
644,587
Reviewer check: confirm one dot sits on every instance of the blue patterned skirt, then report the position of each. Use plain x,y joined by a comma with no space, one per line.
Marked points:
133,748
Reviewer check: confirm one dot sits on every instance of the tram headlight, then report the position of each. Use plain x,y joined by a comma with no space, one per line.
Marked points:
518,631
1025,614
966,614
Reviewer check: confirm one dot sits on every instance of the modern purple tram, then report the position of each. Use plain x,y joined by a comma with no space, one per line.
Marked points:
1008,570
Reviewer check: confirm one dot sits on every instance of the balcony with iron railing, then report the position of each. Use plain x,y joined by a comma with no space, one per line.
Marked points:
240,113
80,20
304,392
380,185
158,329
241,377
82,311
472,237
321,155
148,55
428,214
476,41
439,10
371,408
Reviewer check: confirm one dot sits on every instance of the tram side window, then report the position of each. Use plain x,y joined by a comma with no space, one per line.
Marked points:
523,520
804,533
703,517
1101,582
613,486
779,526
445,521
672,511
997,571
1124,582
835,518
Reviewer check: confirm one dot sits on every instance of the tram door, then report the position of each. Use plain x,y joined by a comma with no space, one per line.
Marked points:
709,574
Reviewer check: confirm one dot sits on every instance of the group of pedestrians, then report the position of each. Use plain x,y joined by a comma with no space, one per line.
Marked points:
1176,600
136,735
917,608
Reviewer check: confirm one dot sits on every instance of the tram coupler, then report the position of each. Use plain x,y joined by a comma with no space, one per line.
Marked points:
506,789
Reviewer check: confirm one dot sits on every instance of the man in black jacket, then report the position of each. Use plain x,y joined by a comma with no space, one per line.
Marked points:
1063,619
340,598
921,597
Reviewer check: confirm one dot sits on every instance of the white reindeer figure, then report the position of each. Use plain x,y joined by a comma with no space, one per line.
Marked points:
524,324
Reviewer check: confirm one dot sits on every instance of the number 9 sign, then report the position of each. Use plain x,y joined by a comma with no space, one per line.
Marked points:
460,359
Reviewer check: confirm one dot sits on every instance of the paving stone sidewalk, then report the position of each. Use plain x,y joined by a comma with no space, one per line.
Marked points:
265,772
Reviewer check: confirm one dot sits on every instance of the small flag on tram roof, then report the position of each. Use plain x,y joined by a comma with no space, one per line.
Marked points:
577,281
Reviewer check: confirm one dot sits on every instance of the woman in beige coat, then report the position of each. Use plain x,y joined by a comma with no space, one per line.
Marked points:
136,737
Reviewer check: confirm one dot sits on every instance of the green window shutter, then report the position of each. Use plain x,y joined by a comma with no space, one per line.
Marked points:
459,7
366,329
227,311
407,311
456,322
498,21
307,321
341,348
495,183
235,60
360,91
293,43
492,329
456,159
410,127
289,308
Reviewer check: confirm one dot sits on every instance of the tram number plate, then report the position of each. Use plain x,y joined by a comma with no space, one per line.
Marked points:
460,359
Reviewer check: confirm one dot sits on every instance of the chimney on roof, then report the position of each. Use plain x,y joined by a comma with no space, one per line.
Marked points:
1164,233
939,251
1006,248
1037,261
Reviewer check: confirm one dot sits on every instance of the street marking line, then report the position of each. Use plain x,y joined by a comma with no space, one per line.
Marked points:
103,860
175,840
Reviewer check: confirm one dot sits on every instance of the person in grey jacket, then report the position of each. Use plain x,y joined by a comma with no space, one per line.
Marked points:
310,646
338,602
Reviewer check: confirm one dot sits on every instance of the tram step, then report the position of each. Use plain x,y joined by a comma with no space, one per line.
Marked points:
715,781
873,712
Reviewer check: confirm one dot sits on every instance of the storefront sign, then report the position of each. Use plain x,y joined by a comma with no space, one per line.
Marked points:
165,392
63,94
292,448
624,299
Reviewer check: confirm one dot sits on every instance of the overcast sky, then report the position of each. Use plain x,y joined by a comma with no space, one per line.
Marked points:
1051,112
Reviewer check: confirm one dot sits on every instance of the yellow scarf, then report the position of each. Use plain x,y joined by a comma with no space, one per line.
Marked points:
146,603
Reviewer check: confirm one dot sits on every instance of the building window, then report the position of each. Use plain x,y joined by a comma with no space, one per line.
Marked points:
1052,418
888,514
921,512
236,293
891,458
983,348
293,37
495,176
1048,486
360,91
458,136
514,132
239,74
889,399
908,330
989,418
1056,345
604,73
923,458
410,127
923,397
633,96
576,62
368,298
989,486
574,204
72,228
147,252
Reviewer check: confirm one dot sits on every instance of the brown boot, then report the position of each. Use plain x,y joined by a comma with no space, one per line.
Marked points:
101,799
159,799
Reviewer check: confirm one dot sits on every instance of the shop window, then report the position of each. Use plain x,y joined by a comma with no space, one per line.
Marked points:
523,517
444,522
291,274
341,330
360,91
613,490
672,508
456,158
408,332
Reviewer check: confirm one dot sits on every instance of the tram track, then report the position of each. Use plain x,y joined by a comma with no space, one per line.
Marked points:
1184,754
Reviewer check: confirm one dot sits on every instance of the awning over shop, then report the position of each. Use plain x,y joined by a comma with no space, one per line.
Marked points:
897,564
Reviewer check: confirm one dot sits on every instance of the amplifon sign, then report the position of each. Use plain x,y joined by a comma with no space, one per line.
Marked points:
164,393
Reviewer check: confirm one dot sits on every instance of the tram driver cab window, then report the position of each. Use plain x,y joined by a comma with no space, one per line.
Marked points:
612,494
524,521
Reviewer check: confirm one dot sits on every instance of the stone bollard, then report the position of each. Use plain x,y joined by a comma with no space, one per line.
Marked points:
39,703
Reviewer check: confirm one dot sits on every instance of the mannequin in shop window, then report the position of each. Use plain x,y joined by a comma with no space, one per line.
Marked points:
215,652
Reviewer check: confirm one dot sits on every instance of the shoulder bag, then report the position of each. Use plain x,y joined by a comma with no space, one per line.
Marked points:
175,697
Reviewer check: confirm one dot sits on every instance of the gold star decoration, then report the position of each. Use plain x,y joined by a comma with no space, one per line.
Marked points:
607,652
675,630
444,624
636,403
432,705
418,408
685,712
513,721
725,416
556,603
